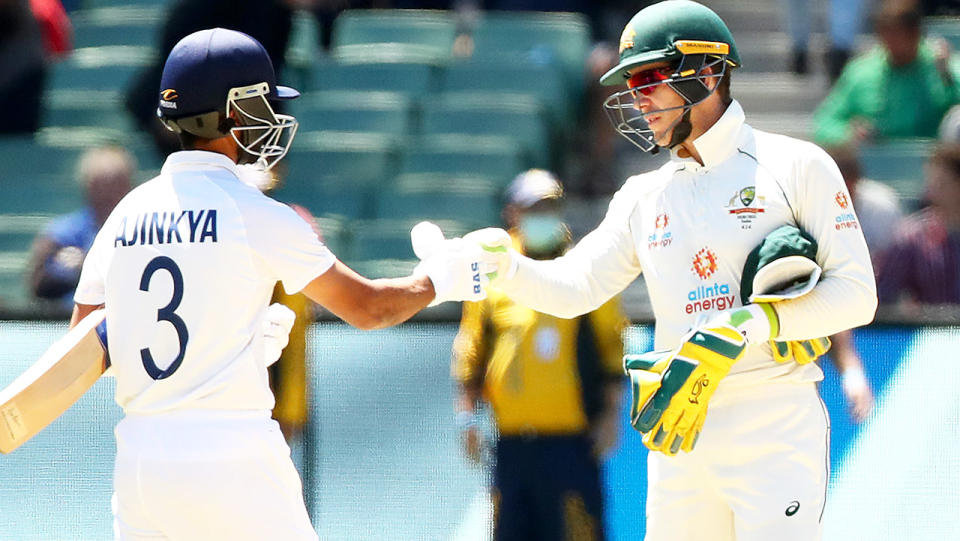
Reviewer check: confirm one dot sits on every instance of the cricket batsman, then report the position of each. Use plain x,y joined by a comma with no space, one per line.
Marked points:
703,229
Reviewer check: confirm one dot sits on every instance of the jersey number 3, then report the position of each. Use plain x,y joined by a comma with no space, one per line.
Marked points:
167,313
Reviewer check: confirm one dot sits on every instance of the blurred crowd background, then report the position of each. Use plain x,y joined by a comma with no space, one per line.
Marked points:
415,110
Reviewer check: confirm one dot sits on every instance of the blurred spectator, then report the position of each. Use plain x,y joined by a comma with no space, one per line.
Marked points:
844,25
922,264
269,21
58,251
554,386
22,67
902,88
878,212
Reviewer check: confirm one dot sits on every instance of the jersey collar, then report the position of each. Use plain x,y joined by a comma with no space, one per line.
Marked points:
718,142
198,159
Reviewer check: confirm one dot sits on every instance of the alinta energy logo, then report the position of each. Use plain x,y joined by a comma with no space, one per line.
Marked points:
745,205
704,263
660,238
842,200
846,219
707,297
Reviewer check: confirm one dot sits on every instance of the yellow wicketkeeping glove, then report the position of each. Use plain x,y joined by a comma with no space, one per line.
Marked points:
671,390
800,351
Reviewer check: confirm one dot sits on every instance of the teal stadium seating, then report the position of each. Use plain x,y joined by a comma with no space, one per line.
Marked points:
522,125
337,172
116,25
353,111
558,40
511,82
86,89
409,78
495,158
944,27
385,35
474,202
388,239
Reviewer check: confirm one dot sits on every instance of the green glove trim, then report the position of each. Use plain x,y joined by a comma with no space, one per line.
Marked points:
674,378
717,344
643,361
772,317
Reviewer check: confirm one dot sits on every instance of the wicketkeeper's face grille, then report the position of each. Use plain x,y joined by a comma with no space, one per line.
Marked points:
688,80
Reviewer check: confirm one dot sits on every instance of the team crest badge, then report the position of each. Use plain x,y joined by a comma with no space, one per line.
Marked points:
746,205
626,38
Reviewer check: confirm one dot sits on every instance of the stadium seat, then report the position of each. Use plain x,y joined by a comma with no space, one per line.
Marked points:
393,35
17,231
548,39
410,79
512,82
384,268
390,239
494,158
336,172
473,202
303,49
898,164
944,27
76,108
340,110
116,25
524,126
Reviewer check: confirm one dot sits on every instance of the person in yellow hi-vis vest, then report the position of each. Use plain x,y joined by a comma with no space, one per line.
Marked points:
554,387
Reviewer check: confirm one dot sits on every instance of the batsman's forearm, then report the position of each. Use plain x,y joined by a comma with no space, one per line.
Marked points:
395,300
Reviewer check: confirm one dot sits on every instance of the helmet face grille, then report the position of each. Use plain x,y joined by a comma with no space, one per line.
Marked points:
264,136
688,80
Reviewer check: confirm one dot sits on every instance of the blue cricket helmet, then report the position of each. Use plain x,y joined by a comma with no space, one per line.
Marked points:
217,82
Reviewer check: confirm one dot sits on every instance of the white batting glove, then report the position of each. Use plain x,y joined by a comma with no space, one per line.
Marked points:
499,257
454,266
276,331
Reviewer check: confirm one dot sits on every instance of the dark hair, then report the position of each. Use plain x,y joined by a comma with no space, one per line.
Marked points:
947,155
188,141
723,87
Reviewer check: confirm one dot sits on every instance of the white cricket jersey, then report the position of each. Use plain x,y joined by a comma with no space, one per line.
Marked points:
186,264
689,228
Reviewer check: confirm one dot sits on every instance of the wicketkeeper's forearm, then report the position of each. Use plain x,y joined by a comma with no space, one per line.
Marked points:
564,287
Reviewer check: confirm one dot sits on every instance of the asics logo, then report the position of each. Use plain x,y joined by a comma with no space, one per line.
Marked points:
697,389
792,508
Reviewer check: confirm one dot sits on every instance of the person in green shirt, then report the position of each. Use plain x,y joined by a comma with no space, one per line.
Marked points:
901,88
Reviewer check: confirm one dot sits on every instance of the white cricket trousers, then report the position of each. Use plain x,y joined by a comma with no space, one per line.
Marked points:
206,475
758,473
